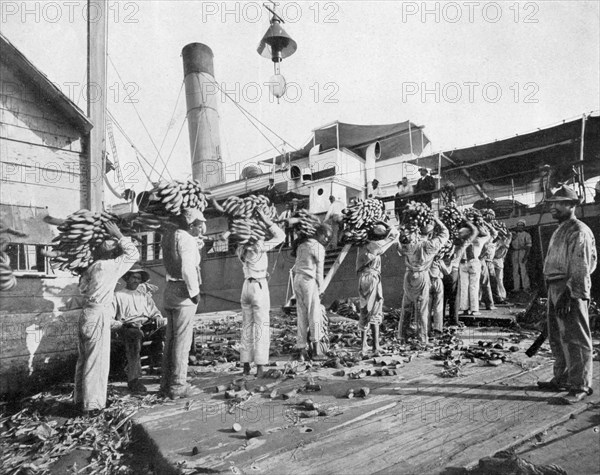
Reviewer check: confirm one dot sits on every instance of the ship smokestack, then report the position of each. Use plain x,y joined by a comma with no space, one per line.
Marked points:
202,115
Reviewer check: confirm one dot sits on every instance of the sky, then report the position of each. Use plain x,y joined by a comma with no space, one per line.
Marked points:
470,72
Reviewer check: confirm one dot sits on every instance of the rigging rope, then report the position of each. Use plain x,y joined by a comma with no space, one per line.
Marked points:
137,112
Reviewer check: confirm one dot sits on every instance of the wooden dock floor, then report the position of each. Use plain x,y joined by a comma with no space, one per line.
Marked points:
413,423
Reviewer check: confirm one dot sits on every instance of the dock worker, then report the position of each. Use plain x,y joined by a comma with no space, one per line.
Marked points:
255,299
502,246
134,307
419,254
370,291
181,259
113,258
521,247
335,219
488,274
469,273
425,183
571,259
464,238
308,288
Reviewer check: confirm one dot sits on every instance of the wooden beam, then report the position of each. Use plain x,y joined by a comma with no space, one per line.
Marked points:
97,28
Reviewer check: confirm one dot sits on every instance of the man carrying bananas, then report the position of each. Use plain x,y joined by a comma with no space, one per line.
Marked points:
112,259
255,299
308,288
368,268
181,258
419,253
134,308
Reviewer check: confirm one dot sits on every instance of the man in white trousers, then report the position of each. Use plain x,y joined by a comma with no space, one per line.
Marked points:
255,299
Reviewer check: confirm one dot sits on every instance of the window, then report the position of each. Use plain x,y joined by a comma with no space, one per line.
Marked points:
150,247
28,259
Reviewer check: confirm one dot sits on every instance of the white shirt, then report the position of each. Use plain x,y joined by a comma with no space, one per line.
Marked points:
98,282
254,258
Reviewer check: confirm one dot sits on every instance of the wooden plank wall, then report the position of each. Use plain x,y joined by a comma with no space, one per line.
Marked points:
42,163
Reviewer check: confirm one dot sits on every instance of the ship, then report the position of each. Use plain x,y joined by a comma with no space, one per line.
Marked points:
40,124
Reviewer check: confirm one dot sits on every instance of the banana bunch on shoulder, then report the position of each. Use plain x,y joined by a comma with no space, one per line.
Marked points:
8,280
415,215
360,218
245,228
79,235
169,198
307,224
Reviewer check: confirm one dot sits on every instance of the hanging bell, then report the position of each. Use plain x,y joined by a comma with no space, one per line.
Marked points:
276,43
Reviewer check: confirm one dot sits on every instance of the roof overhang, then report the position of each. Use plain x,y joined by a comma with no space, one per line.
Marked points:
48,92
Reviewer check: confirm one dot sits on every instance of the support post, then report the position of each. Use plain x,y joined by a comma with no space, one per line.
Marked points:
96,102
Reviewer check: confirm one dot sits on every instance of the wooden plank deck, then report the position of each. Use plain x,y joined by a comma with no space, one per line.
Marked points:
415,422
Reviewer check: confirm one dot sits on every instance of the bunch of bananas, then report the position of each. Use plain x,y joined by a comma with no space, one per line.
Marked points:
80,234
488,214
236,207
245,228
475,216
452,217
7,279
307,226
415,215
499,226
360,218
170,198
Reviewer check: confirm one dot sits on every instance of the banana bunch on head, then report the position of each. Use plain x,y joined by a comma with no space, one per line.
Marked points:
307,226
416,215
360,218
244,226
79,235
475,216
488,214
453,219
169,198
499,226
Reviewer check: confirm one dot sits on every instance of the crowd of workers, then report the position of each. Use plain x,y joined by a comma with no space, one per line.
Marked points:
470,273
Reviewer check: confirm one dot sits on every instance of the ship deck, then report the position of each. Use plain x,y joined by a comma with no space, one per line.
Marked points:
414,422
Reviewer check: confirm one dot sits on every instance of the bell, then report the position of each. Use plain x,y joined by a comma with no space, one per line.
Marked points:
276,43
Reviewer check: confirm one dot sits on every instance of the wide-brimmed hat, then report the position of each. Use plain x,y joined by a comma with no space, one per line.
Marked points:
137,270
423,169
565,193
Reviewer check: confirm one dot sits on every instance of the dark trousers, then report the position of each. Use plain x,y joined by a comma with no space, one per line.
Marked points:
450,289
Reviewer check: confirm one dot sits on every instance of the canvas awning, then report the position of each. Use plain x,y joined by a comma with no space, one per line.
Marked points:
396,139
519,159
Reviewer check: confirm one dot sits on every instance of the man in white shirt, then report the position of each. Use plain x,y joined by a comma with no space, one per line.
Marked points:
134,308
182,295
113,258
335,219
255,299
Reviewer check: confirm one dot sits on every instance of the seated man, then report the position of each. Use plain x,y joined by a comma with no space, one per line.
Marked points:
134,308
